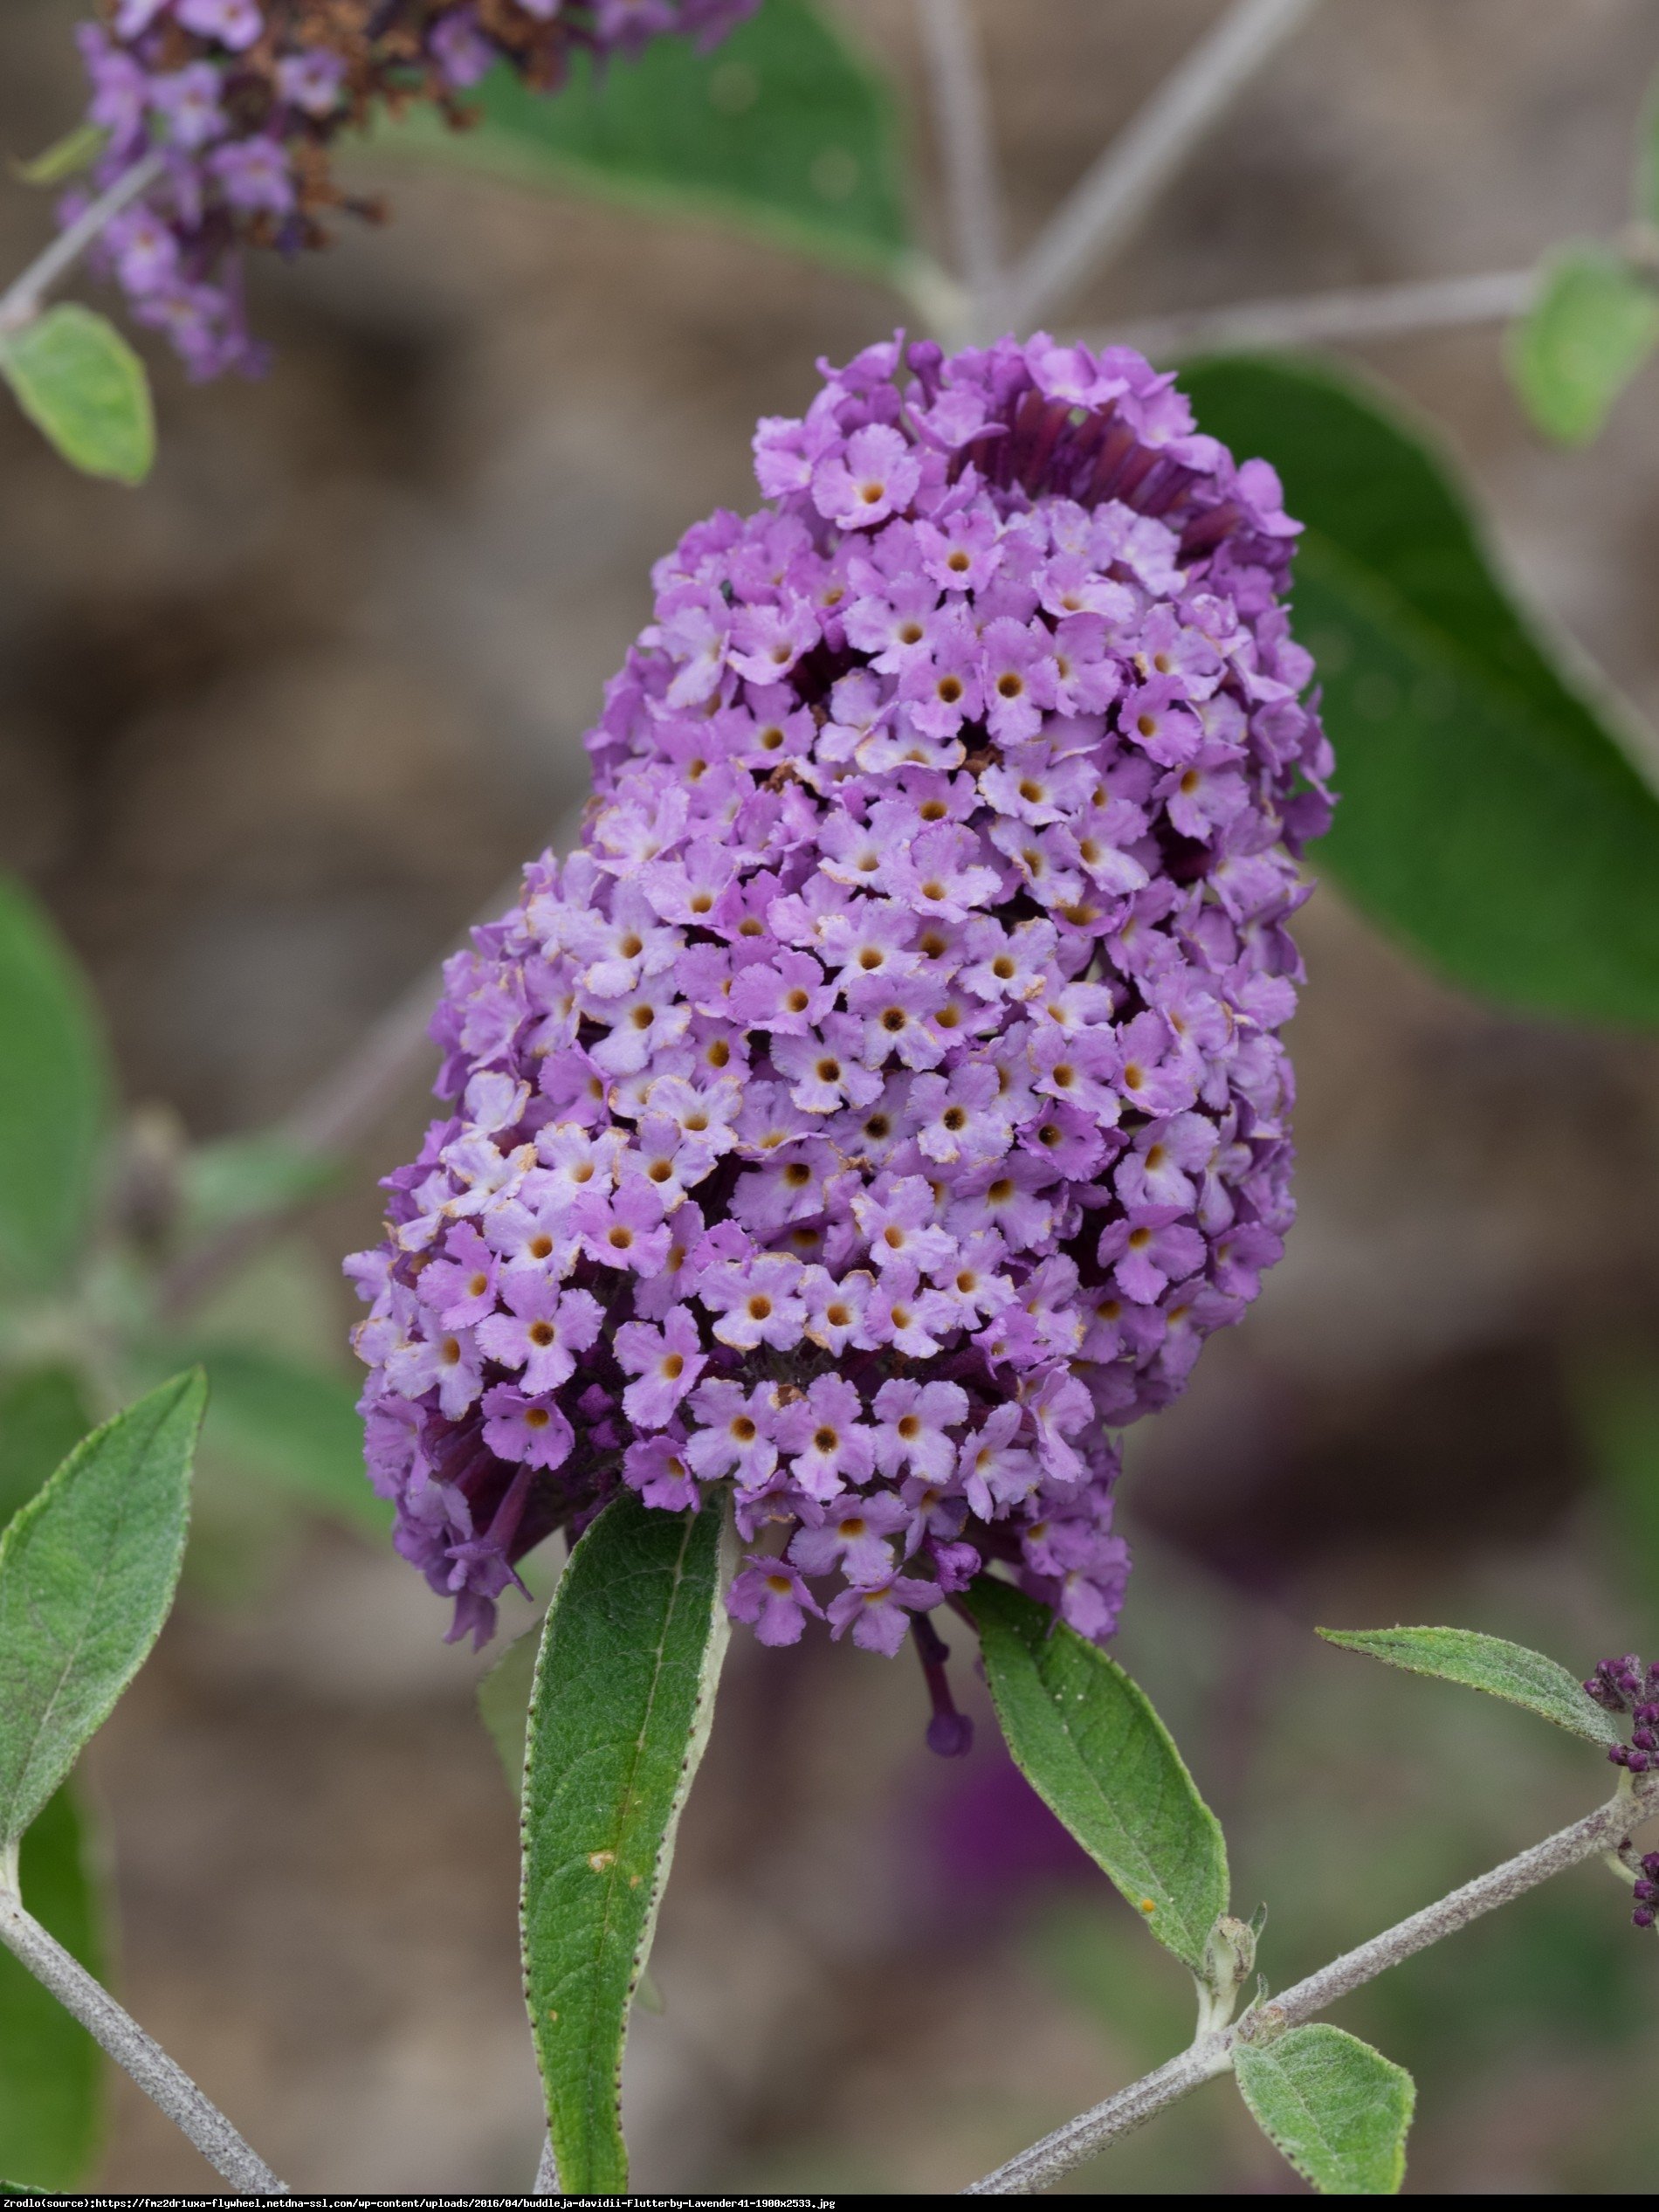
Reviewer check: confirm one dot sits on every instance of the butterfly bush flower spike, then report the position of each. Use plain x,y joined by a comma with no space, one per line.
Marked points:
878,1109
248,97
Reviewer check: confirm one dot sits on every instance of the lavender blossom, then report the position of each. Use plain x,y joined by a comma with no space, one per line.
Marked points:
248,97
884,1101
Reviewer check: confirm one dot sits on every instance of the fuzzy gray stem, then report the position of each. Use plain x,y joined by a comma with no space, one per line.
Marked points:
20,302
546,2180
1365,311
968,153
1080,2139
1144,157
166,2084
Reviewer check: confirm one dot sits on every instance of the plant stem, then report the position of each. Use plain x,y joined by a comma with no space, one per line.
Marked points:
962,113
166,2084
1080,2139
1365,311
1144,157
21,301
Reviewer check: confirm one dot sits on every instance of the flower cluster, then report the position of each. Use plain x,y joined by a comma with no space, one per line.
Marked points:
247,96
1624,1685
886,1100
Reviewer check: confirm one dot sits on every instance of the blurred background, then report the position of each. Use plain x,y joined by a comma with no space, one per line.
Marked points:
272,727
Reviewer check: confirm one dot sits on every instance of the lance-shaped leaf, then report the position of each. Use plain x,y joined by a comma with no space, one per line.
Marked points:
43,1418
1337,2109
88,1572
784,129
1591,324
1506,1671
81,384
66,157
54,1087
1087,1740
620,1712
1491,816
52,2075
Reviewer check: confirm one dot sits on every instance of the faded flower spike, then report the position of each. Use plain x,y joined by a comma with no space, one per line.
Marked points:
247,97
886,1100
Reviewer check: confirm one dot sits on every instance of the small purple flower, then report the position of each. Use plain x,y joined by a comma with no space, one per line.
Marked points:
255,175
188,100
312,81
235,23
774,1597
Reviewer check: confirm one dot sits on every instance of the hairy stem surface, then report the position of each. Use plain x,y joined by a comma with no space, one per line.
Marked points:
20,302
163,2083
1080,2139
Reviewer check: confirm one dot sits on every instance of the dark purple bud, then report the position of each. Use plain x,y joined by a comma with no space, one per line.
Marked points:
1645,1892
1650,1866
950,1733
1618,1754
1642,1917
1637,1761
1644,1740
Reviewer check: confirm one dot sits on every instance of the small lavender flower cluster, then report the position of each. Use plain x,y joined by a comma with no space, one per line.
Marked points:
885,1098
247,96
1623,1685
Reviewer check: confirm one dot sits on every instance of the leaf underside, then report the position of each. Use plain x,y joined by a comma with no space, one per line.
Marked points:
1503,1669
1335,2107
84,389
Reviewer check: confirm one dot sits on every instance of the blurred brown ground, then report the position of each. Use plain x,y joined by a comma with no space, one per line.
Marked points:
271,727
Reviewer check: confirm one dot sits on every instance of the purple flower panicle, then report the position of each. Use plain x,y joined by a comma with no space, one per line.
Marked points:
1623,1685
886,1100
248,96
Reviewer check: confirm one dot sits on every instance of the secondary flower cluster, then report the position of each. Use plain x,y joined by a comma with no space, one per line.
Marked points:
247,96
886,1100
1623,1685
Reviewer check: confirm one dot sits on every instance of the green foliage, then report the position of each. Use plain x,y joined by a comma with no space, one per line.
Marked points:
84,388
54,1085
1490,817
1506,1671
66,157
43,1418
295,1424
784,130
1591,324
504,1705
1089,1742
88,1572
239,1176
1337,2109
623,1696
52,2072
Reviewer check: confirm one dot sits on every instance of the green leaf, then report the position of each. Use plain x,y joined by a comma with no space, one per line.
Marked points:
504,1704
1337,2109
239,1176
52,2075
625,1692
1086,1738
1593,323
88,1572
1506,1671
84,388
54,1088
1490,817
43,1418
295,1424
66,157
785,129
